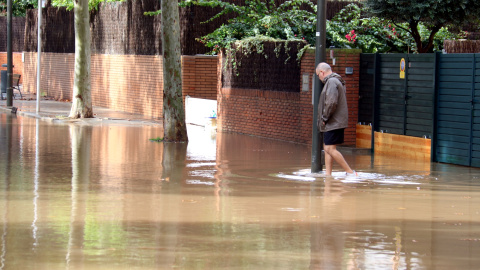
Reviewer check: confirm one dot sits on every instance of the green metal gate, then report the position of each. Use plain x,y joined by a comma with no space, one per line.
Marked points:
437,97
405,104
366,88
457,138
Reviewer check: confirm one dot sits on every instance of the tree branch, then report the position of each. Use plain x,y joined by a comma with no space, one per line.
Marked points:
416,35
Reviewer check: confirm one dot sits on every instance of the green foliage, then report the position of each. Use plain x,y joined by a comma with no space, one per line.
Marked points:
158,139
92,4
256,44
431,12
373,34
425,18
19,7
258,18
153,13
348,29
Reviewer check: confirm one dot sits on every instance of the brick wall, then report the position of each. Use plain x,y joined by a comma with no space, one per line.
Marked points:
17,63
130,83
348,58
286,116
133,84
200,76
56,75
270,114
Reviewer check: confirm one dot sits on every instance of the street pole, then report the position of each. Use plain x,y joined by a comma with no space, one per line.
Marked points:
39,51
9,54
320,44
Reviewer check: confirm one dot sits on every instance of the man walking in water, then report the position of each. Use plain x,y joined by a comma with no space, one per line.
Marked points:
332,117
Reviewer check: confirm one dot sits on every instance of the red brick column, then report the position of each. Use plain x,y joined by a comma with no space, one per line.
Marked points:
348,58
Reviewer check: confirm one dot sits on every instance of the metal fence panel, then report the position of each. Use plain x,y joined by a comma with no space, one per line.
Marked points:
406,105
439,97
391,103
366,88
458,110
420,96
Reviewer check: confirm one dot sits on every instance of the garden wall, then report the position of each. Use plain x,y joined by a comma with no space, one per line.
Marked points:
286,115
130,83
18,33
461,46
120,28
133,83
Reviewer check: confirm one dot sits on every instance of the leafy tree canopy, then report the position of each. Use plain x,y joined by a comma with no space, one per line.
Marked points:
19,7
432,14
261,18
92,4
350,28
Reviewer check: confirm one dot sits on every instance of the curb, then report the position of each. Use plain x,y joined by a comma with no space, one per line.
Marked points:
96,120
28,114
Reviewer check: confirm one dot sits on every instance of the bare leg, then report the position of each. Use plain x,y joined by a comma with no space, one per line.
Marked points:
328,162
331,154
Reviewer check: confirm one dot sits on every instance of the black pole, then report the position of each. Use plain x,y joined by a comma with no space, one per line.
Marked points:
320,44
9,54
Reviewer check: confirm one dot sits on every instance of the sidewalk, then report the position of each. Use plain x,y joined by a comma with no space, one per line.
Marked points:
51,110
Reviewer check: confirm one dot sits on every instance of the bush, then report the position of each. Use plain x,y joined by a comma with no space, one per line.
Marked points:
292,21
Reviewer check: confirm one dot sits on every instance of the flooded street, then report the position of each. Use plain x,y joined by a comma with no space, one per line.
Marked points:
75,196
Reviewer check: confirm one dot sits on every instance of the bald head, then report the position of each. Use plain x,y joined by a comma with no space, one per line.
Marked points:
323,69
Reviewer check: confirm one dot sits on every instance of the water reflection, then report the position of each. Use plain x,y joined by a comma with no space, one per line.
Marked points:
81,140
174,162
327,240
35,180
5,138
82,197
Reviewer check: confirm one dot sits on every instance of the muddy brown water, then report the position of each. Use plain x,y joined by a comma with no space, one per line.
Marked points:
105,197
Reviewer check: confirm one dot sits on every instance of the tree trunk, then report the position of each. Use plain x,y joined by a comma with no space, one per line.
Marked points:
82,97
174,125
416,36
421,47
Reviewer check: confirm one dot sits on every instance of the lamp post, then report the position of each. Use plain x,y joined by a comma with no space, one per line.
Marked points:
320,44
39,51
9,54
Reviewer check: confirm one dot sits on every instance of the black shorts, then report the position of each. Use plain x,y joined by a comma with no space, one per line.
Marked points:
333,137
